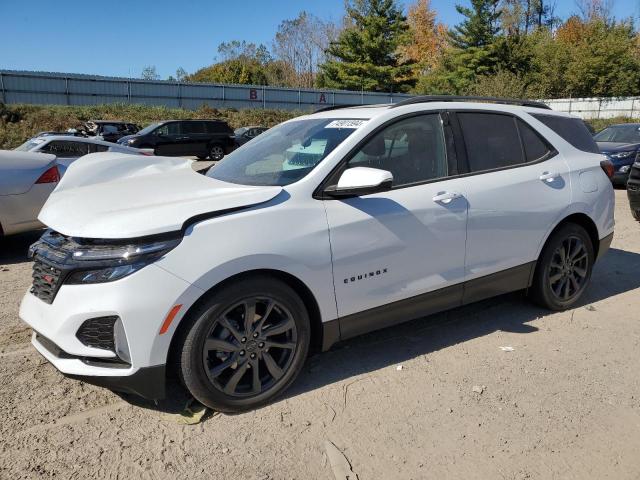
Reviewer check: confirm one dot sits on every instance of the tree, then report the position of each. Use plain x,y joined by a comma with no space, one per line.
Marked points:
472,50
150,73
365,55
590,58
480,27
520,17
301,43
428,38
181,74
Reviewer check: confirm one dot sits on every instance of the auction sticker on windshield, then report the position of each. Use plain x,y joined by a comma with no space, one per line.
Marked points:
352,123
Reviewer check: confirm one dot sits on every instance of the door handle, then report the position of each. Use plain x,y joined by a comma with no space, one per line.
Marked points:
446,197
548,176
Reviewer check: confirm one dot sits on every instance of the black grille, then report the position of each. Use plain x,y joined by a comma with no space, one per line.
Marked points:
98,333
46,280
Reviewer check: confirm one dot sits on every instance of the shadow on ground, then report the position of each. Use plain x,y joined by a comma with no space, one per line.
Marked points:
13,249
615,273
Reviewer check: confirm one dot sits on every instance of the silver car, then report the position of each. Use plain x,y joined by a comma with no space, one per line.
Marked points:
29,174
68,148
26,180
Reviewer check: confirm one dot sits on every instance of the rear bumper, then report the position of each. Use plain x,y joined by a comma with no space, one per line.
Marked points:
605,243
620,178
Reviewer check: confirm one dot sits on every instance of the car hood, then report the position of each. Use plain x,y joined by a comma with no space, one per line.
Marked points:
123,140
611,147
118,196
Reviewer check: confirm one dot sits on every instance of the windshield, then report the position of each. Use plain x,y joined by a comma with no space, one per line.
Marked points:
619,133
30,145
286,153
149,129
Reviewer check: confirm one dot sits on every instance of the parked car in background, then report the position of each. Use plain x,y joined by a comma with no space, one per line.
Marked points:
26,181
108,130
68,148
244,134
181,138
337,223
633,190
29,173
621,144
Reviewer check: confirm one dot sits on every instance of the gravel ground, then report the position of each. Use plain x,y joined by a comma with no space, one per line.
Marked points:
565,403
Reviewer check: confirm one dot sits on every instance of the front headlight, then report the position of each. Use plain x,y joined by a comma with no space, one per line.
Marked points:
624,169
620,155
100,263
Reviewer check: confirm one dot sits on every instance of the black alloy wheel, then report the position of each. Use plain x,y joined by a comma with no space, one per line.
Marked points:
244,345
564,268
249,347
568,268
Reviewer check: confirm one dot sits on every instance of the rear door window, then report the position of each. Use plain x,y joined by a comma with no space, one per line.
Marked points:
535,148
193,127
491,140
93,148
573,130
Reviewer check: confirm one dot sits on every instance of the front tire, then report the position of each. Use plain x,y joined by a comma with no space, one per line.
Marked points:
564,268
245,345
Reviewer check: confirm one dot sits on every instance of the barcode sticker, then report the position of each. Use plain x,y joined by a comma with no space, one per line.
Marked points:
353,123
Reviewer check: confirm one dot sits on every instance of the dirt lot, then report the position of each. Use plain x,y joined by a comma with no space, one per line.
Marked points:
565,403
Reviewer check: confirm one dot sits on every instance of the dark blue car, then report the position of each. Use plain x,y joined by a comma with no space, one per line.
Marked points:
621,144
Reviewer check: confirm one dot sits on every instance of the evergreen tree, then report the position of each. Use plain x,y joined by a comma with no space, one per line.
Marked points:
480,27
365,56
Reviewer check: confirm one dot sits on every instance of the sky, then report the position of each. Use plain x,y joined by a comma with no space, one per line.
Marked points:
120,38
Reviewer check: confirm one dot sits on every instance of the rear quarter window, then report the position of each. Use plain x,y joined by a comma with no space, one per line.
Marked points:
218,127
573,130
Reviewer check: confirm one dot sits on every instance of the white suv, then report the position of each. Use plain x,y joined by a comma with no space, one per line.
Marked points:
322,228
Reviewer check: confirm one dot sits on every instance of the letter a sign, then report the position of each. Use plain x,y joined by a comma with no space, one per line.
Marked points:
323,98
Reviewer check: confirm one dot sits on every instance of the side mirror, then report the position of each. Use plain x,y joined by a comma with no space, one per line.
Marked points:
361,181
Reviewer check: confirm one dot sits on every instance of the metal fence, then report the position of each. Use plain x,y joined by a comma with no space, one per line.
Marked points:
75,89
590,108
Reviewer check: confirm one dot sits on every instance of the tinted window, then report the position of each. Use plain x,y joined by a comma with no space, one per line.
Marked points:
620,133
97,148
64,149
492,141
218,127
413,150
573,130
193,127
534,147
172,128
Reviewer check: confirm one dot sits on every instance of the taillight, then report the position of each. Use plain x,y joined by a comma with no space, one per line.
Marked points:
52,175
608,167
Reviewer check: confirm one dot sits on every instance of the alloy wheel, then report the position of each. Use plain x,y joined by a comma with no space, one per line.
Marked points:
250,347
216,153
569,268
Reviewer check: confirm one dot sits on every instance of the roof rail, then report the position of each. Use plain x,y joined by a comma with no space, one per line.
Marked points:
458,98
334,107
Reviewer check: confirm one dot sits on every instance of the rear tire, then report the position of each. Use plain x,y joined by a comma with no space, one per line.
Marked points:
232,362
564,268
216,153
